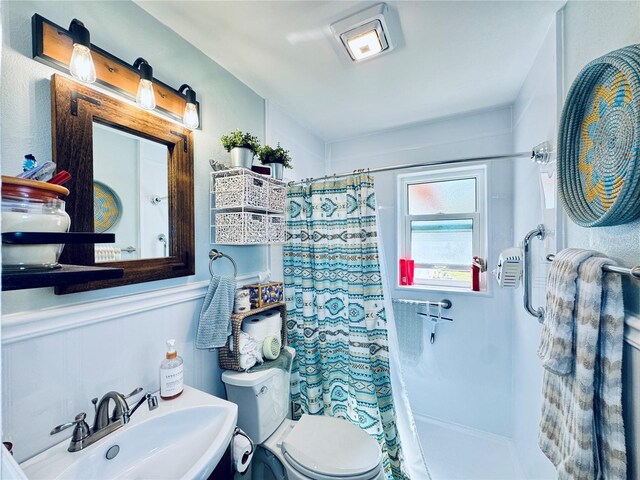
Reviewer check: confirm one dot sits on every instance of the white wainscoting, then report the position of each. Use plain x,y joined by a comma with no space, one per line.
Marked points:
55,361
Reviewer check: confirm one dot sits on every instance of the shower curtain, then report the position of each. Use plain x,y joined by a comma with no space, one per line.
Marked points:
336,317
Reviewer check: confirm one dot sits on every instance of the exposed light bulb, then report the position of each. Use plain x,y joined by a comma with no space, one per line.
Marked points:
190,117
81,65
145,97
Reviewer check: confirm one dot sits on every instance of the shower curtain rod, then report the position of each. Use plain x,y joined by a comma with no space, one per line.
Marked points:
541,154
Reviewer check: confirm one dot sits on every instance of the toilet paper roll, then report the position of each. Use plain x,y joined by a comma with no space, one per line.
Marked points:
274,322
242,451
256,326
242,301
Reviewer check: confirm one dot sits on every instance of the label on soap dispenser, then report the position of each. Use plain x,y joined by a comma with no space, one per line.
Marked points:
171,381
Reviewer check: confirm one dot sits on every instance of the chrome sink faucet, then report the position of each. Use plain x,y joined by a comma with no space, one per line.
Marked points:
121,412
104,422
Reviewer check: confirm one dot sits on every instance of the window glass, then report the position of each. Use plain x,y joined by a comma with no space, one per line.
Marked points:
442,275
447,241
442,226
441,251
447,196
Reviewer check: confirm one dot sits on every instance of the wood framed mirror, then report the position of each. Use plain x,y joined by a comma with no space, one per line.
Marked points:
81,117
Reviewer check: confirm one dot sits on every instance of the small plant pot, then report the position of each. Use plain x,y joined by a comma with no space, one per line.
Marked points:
277,170
242,157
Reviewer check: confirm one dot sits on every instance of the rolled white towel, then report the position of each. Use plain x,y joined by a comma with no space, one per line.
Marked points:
247,344
246,361
246,341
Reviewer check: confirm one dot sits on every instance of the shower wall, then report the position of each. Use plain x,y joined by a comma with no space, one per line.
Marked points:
465,376
535,114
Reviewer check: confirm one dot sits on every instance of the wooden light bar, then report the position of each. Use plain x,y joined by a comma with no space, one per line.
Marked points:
53,46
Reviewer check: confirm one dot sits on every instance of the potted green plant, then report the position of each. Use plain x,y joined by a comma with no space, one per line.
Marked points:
277,158
242,147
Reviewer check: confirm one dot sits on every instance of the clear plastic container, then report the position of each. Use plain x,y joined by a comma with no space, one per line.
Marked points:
32,206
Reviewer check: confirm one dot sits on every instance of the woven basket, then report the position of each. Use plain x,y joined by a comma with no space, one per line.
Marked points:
599,142
229,360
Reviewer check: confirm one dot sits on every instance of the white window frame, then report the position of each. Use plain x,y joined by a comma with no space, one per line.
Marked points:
479,218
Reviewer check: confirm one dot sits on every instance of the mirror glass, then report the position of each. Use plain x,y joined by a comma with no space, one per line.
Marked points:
130,195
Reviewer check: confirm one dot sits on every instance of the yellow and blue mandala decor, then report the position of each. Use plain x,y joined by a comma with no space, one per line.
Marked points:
599,142
107,207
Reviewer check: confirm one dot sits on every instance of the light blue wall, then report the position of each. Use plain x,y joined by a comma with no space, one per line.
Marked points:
591,30
125,30
308,158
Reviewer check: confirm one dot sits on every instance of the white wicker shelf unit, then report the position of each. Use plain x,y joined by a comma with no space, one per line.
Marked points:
246,208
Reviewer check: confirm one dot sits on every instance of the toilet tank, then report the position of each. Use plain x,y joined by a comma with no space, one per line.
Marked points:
262,398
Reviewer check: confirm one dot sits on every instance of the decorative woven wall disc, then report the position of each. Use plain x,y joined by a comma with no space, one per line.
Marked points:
107,207
599,142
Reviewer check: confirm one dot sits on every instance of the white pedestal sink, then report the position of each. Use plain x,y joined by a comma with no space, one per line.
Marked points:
182,438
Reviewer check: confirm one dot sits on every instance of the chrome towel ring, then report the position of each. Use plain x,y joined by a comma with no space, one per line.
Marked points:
216,254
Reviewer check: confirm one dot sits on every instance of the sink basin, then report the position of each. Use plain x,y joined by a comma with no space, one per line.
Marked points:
183,438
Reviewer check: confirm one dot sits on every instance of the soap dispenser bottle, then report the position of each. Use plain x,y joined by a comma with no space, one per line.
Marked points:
171,373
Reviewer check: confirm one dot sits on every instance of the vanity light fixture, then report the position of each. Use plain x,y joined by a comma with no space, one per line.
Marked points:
365,34
145,97
190,117
81,65
54,46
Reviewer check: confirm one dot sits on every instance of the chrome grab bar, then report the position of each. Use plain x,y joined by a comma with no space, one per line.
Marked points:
540,233
444,303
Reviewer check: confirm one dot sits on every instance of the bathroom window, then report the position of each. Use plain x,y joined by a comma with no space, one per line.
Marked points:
441,225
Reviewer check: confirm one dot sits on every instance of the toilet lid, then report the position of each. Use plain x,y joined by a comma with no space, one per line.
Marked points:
331,447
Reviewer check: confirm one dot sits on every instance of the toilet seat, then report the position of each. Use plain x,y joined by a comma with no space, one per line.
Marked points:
314,475
326,448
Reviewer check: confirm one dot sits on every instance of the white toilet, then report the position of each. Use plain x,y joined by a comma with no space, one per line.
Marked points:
315,447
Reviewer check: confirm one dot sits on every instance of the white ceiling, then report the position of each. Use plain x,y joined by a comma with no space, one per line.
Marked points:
454,57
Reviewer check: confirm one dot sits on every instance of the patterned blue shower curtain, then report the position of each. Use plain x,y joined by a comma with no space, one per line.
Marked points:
335,311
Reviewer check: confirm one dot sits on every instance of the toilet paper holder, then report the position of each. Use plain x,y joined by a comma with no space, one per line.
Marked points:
239,433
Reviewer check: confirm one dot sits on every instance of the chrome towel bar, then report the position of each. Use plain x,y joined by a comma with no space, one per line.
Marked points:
434,319
539,232
444,303
633,272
